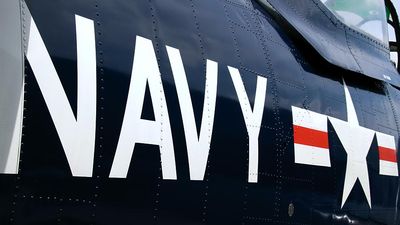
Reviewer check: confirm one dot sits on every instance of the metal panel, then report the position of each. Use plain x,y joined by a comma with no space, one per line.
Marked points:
337,43
11,85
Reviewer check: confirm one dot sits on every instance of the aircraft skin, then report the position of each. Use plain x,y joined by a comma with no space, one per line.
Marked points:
193,112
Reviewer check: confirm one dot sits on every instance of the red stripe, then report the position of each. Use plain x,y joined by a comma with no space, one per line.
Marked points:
387,154
307,136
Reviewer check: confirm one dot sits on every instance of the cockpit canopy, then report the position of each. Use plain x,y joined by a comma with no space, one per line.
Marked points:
368,16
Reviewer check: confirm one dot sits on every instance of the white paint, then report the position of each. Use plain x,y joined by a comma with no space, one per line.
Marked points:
385,140
309,119
136,130
252,117
386,76
310,155
198,146
305,154
356,141
388,168
12,164
77,136
351,110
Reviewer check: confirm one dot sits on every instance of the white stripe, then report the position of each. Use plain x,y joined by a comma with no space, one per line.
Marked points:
309,119
385,140
310,155
388,168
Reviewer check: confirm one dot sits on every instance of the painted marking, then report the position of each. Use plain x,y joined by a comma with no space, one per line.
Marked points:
310,155
309,119
311,137
388,168
310,134
252,117
77,135
137,130
387,77
356,141
198,146
387,155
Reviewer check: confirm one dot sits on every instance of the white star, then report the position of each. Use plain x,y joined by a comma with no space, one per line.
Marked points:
356,141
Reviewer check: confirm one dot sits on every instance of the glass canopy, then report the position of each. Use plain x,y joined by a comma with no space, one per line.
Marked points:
368,16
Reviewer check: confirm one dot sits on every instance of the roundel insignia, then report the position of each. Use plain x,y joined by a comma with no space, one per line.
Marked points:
311,146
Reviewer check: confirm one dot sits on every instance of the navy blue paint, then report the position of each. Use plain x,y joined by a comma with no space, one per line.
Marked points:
335,42
230,33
